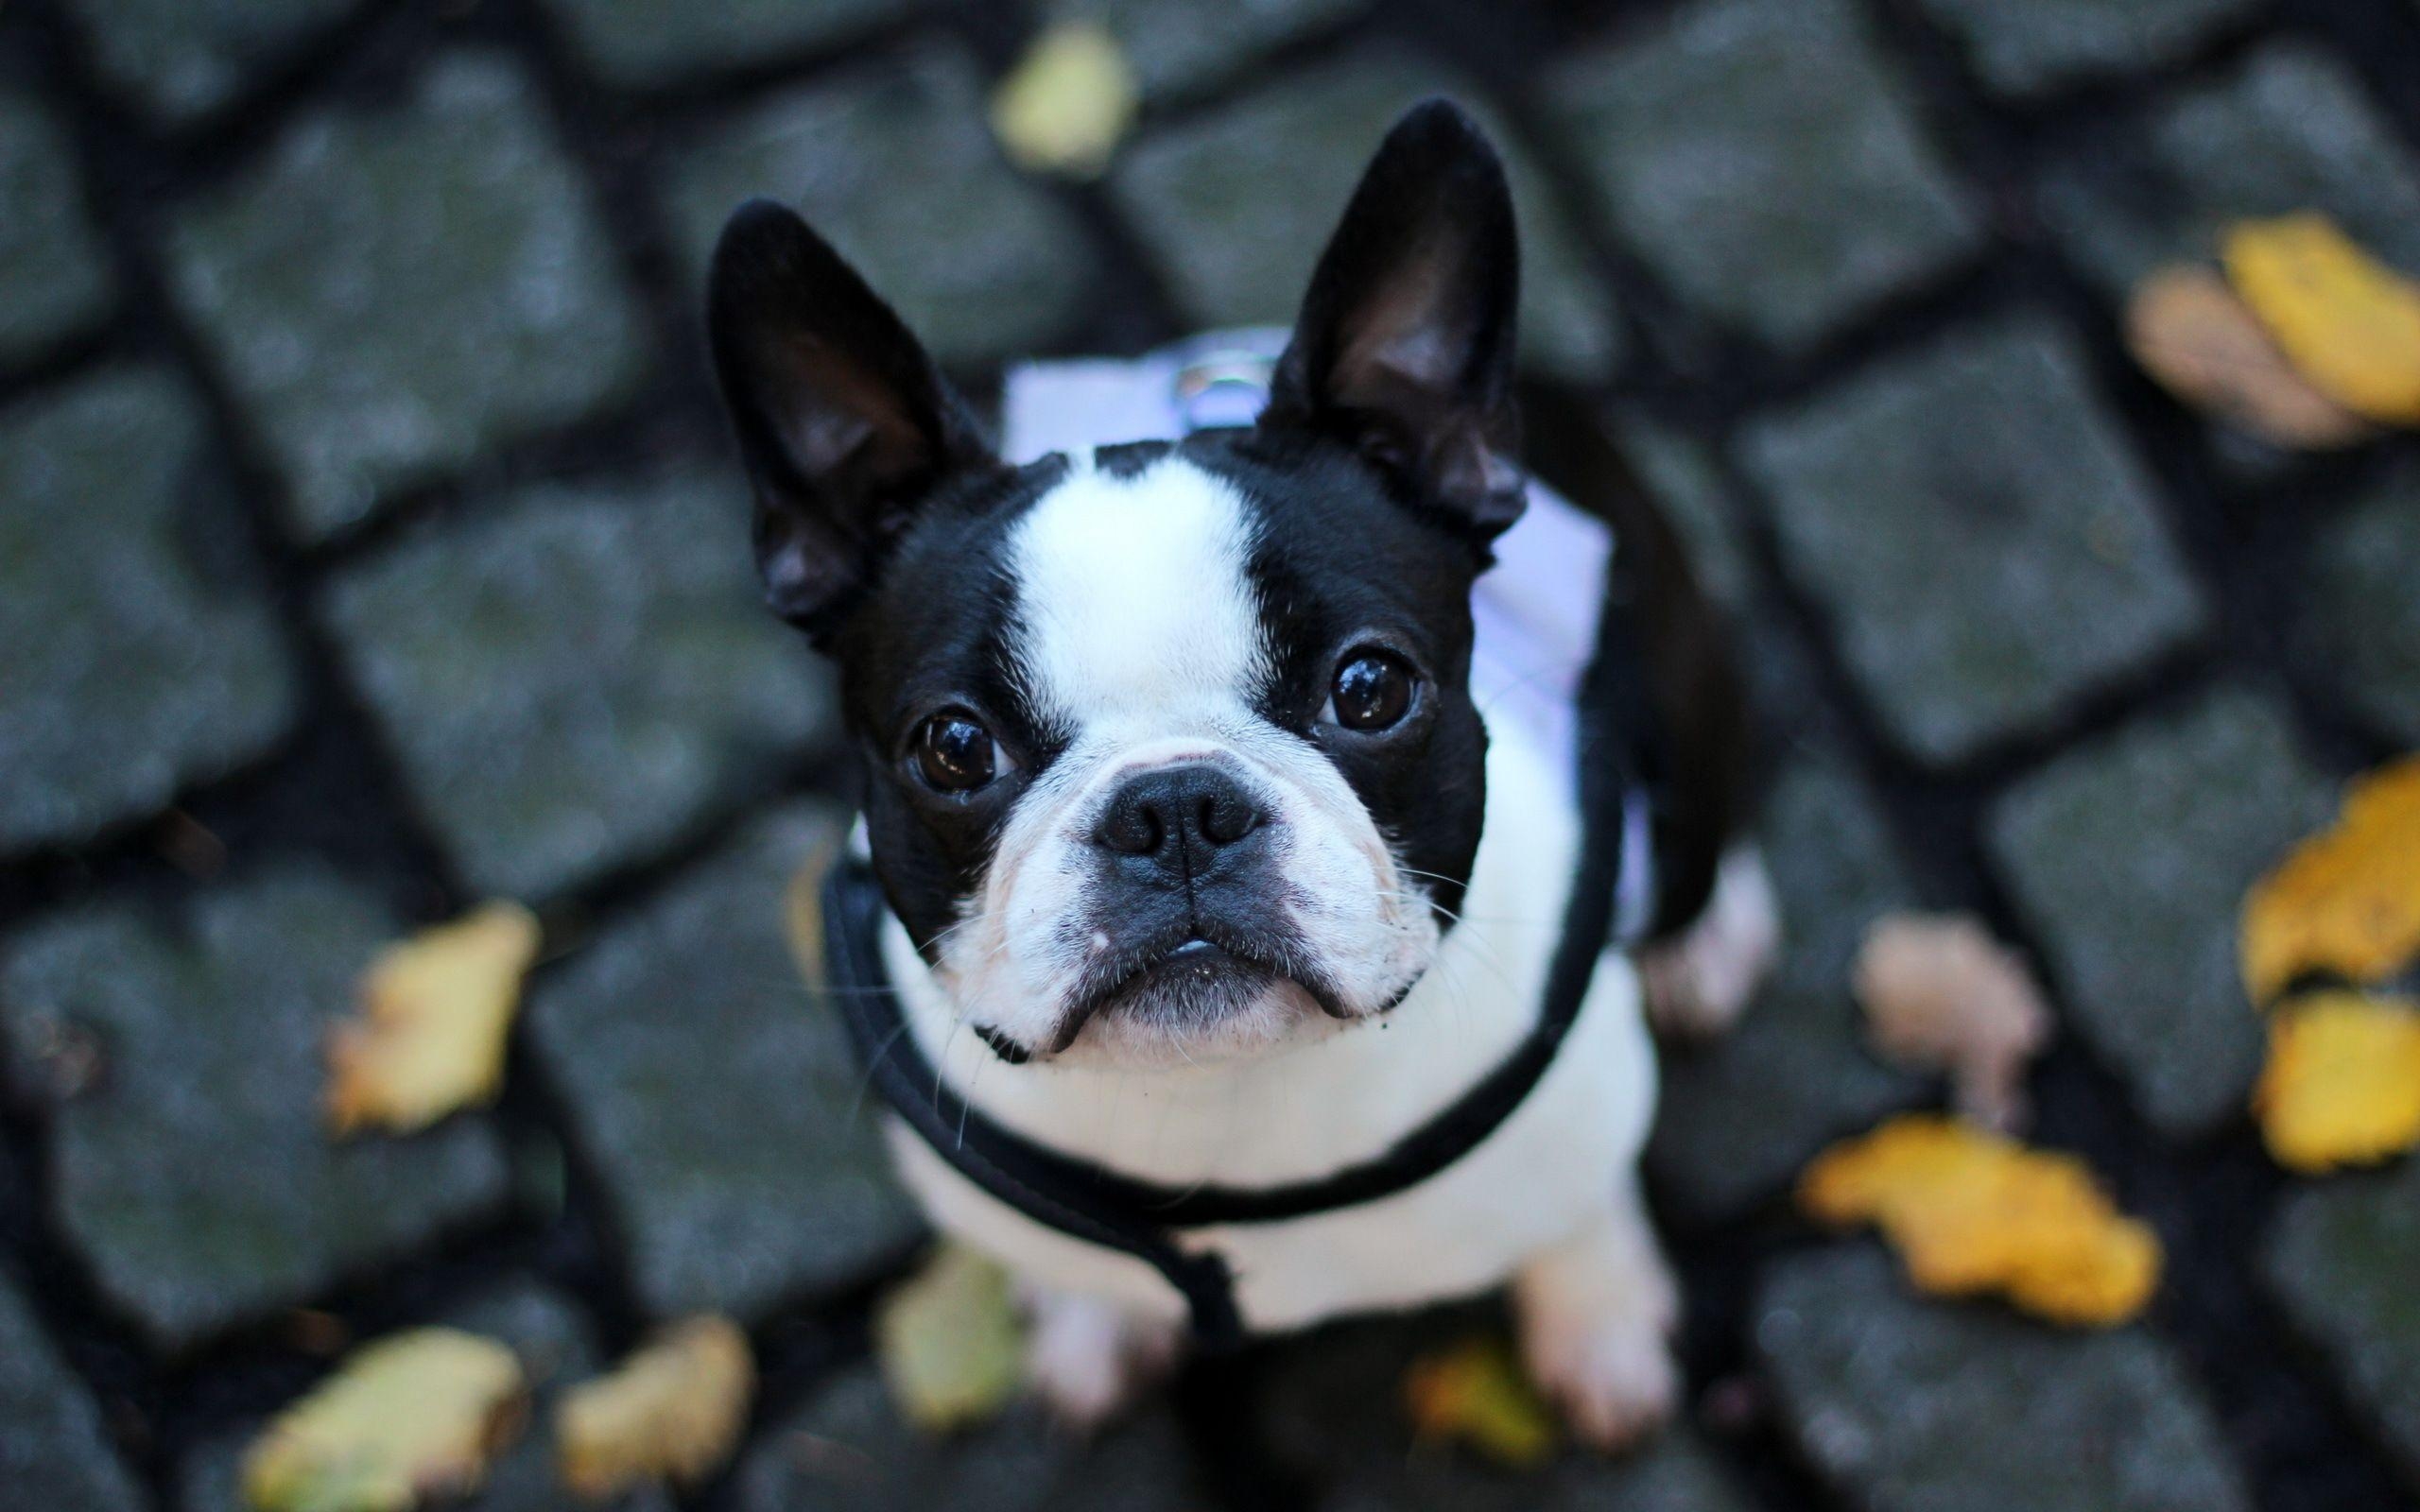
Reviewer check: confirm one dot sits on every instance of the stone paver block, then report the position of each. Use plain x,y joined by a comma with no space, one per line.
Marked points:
1738,1116
1176,46
2042,45
576,675
1236,205
1986,545
648,41
848,1449
189,1164
556,1352
2342,1259
717,1098
1333,1418
2359,619
1911,1405
1765,164
53,1453
894,163
181,58
2290,131
2128,857
394,290
52,263
136,649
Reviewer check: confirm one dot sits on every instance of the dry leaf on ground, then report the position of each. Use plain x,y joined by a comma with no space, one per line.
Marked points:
430,1033
2347,900
1476,1394
1970,1212
2349,322
2342,1082
803,910
949,1341
404,1420
672,1411
1069,100
2192,333
1940,994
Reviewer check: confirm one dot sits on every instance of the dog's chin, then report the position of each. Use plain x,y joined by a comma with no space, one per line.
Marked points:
1193,1008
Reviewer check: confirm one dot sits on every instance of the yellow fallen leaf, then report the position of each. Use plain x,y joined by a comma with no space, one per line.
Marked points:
949,1342
1476,1394
2191,331
803,910
2348,321
430,1033
673,1410
2342,1083
407,1420
1970,1212
2347,900
1940,994
1064,106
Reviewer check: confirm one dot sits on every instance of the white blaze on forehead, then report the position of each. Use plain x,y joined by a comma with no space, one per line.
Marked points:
1133,594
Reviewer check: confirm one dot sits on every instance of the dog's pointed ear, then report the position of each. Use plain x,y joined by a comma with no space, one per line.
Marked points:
1403,348
843,421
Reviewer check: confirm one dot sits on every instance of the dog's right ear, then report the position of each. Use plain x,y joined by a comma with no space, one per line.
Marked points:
844,423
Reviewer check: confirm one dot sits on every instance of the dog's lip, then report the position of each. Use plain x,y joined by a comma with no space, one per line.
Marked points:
1194,952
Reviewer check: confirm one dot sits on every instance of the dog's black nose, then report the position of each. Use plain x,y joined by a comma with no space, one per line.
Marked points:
1184,819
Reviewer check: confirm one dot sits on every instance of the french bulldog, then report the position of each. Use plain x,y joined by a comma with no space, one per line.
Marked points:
1200,861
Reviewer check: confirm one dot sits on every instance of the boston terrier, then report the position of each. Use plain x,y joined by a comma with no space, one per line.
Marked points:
1250,925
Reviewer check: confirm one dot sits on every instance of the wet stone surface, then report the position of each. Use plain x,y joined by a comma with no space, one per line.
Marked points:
654,42
847,153
52,263
1335,1420
848,1448
2361,626
1765,164
720,1101
177,1058
575,676
1175,47
54,1453
2342,1258
1738,1116
2044,44
1986,545
1237,204
2130,857
2289,129
393,288
1924,1406
136,643
180,58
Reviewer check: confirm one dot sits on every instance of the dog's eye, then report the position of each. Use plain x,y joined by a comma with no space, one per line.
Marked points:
954,754
1372,691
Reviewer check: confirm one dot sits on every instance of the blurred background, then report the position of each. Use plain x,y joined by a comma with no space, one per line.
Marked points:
369,547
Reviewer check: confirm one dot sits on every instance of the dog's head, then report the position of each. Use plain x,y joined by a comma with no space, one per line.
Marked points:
1169,749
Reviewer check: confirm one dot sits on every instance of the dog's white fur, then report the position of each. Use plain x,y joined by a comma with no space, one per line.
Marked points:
1139,629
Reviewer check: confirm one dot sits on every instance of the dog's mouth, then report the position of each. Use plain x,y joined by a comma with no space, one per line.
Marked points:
1192,979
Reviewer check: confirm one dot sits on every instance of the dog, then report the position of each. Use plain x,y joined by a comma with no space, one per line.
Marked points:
1198,882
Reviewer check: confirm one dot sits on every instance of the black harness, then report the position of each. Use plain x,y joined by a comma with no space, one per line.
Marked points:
1618,760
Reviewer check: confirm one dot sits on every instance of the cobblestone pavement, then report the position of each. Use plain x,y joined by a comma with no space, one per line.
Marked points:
368,545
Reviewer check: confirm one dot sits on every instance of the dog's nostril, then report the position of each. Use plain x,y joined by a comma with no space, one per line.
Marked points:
1163,814
1227,816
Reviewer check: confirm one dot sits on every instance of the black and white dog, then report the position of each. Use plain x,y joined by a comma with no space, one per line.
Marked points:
1224,957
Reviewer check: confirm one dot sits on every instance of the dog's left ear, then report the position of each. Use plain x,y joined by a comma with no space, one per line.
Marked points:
1403,348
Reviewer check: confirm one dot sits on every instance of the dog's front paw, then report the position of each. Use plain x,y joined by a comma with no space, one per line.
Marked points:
1699,982
1088,1359
1613,1377
1596,1314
